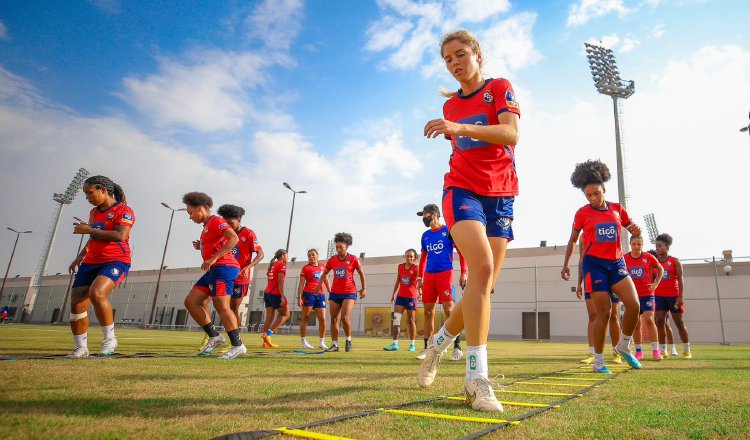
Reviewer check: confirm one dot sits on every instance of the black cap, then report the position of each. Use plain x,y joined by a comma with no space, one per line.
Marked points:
431,208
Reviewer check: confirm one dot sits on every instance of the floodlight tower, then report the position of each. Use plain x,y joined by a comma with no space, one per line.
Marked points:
65,198
653,231
608,82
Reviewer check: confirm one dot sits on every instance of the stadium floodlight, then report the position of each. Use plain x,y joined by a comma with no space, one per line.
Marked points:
72,275
746,129
653,231
291,216
608,82
18,234
162,266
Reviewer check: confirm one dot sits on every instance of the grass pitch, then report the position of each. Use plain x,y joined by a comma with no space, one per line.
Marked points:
191,397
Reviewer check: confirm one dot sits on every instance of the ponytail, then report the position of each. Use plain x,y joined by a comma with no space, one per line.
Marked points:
119,194
276,257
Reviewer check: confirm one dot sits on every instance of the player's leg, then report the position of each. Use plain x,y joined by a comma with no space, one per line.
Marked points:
679,321
222,304
335,306
320,314
429,324
79,320
603,305
307,310
614,328
638,338
99,296
346,321
194,303
591,312
625,290
411,316
668,328
398,311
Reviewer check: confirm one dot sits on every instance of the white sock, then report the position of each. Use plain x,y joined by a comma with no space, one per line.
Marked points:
395,342
413,341
624,344
336,343
304,340
82,340
443,339
109,331
663,348
322,341
476,362
591,350
349,338
598,360
673,347
687,347
654,346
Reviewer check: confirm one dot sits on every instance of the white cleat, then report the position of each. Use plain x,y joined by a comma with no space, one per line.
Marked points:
108,347
422,354
323,346
306,345
234,352
78,352
481,397
212,343
430,365
457,354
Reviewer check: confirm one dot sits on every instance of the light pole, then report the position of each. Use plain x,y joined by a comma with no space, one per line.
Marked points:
745,129
291,216
18,234
163,256
70,281
608,82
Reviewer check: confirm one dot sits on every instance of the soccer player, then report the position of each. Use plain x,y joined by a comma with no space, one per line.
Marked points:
603,266
274,298
4,315
481,121
669,295
404,297
436,274
343,291
309,279
102,264
216,243
646,273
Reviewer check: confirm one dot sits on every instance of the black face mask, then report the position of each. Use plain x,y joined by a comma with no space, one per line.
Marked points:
427,221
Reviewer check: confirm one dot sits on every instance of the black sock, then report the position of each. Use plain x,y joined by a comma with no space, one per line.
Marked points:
234,337
210,330
457,342
425,343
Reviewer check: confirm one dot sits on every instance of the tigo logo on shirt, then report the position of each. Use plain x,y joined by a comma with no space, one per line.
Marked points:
340,273
606,232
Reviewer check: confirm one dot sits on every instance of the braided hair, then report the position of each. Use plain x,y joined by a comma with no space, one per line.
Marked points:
276,257
591,171
103,182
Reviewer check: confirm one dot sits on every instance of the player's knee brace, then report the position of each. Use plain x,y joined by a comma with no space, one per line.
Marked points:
77,316
396,319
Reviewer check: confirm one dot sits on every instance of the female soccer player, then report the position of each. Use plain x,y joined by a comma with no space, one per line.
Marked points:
216,243
603,267
405,298
646,273
274,298
481,121
669,295
309,279
343,291
102,263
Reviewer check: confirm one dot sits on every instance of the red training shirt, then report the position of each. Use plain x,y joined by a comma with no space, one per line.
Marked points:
212,240
343,273
407,280
311,274
669,285
105,251
601,230
278,267
642,271
243,253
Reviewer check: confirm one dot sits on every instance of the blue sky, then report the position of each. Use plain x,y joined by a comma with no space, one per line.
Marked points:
234,98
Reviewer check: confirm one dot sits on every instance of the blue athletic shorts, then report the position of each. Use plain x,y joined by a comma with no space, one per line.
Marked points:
612,297
315,301
339,298
87,273
274,301
406,303
600,275
240,291
218,281
496,213
668,303
647,303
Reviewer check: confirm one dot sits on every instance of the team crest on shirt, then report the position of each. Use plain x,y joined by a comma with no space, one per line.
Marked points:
243,239
445,233
510,99
111,215
488,97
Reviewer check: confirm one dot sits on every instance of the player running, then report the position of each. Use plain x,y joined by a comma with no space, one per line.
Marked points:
309,279
102,264
405,293
646,273
274,298
216,243
669,295
343,291
436,274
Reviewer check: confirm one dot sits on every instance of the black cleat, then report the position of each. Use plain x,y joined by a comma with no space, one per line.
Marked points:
348,346
334,347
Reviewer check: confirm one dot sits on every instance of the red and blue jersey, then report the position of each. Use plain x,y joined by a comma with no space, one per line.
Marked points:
407,281
343,273
273,273
670,284
601,230
437,251
642,271
212,240
311,274
105,251
243,253
478,166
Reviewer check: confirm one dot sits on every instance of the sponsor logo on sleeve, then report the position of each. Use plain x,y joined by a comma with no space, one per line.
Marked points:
510,99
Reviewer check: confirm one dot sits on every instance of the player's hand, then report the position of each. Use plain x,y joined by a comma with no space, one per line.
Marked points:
579,292
393,300
197,244
634,229
208,263
81,228
679,302
299,302
419,285
362,293
653,286
436,127
565,273
74,265
245,273
462,280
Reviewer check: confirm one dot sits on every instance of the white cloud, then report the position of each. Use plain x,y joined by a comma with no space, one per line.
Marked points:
629,44
3,32
475,11
608,41
508,46
583,11
658,31
276,22
386,33
109,6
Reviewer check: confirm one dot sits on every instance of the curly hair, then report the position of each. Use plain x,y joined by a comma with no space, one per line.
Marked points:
343,237
104,182
231,211
591,171
197,199
665,238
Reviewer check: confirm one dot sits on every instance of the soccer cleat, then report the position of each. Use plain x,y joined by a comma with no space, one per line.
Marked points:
78,352
481,397
664,354
602,370
392,347
457,354
674,352
422,354
616,357
334,347
588,361
234,351
639,355
429,367
348,346
657,355
267,341
108,347
323,346
630,359
224,348
306,346
687,355
213,342
203,343
412,347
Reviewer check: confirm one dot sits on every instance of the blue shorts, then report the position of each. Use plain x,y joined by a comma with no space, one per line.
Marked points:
495,213
218,281
406,303
274,301
668,303
240,291
339,298
612,297
600,275
315,301
87,273
647,303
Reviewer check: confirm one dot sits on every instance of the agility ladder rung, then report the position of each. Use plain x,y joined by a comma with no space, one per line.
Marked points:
538,393
309,434
531,405
446,416
571,378
552,384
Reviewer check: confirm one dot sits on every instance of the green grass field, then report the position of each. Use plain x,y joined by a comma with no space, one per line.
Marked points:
191,397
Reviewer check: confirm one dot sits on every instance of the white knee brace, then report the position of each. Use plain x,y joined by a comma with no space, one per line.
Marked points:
77,316
396,319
